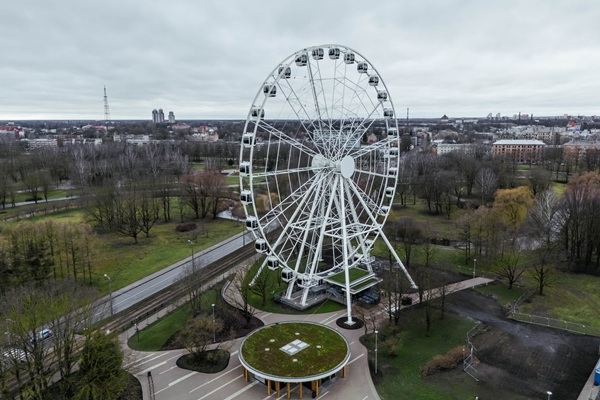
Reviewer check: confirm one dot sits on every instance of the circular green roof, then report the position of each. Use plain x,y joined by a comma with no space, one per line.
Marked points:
294,351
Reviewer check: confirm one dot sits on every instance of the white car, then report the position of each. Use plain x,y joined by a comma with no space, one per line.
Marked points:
42,335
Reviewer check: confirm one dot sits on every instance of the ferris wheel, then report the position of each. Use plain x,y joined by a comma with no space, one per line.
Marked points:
318,168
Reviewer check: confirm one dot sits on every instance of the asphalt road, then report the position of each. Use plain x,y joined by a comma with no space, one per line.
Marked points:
128,296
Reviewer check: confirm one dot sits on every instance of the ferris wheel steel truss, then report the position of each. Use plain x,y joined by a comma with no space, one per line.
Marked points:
318,160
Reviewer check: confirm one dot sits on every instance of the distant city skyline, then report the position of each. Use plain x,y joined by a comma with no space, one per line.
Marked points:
462,58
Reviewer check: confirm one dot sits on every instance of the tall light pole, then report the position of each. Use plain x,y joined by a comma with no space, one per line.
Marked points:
376,332
110,290
474,266
549,393
192,244
7,333
214,328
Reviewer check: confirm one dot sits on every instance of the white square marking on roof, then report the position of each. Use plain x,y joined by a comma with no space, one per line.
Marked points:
294,347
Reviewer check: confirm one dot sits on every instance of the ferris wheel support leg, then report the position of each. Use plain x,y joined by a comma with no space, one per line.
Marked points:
345,252
304,296
413,285
262,266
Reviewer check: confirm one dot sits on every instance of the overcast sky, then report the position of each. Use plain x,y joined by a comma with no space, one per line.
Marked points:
206,59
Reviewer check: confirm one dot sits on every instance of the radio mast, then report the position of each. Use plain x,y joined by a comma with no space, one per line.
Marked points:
106,109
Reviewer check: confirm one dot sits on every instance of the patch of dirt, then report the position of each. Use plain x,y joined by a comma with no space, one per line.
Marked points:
525,359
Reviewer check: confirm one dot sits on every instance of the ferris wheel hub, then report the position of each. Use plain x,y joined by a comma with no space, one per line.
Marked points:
346,166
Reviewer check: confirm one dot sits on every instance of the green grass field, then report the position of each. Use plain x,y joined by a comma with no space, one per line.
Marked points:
154,336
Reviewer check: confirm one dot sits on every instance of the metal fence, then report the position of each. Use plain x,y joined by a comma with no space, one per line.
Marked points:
556,323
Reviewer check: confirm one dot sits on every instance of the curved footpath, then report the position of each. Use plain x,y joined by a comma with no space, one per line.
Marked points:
162,379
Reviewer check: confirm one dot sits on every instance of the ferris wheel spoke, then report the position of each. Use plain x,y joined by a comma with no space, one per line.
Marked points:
368,205
285,138
371,173
381,144
297,106
283,172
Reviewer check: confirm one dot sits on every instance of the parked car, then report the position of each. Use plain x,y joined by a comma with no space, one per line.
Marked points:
42,335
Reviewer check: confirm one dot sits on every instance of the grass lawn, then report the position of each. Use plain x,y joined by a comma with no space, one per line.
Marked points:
353,274
400,376
326,349
571,297
275,285
126,261
153,337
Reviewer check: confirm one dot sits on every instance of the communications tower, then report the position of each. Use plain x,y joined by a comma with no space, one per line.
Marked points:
106,109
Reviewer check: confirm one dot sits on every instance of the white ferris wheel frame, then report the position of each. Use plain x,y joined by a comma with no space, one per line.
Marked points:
328,190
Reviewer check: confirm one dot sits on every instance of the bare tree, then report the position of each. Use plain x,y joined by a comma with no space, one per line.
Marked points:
241,283
198,334
509,267
487,182
193,285
262,285
542,272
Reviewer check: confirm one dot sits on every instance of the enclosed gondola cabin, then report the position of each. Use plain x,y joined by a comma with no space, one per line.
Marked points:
251,223
382,95
272,262
349,58
373,80
247,140
334,53
388,113
393,171
270,90
258,112
260,245
384,210
393,152
245,168
246,197
389,191
317,54
301,60
287,274
284,72
392,133
362,67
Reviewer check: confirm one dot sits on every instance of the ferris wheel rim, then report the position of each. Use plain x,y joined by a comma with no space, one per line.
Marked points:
349,169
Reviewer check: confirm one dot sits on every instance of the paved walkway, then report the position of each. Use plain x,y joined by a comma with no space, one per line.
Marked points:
589,391
170,381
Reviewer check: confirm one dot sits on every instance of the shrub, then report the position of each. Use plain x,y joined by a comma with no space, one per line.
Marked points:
186,227
443,362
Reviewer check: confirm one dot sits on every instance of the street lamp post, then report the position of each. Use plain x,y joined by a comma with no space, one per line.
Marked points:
192,244
213,320
376,332
7,333
110,290
474,266
549,393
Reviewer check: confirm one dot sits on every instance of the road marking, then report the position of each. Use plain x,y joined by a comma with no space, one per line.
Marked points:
365,398
236,394
150,359
167,370
212,380
321,396
361,354
233,354
152,367
328,319
175,382
138,360
219,388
